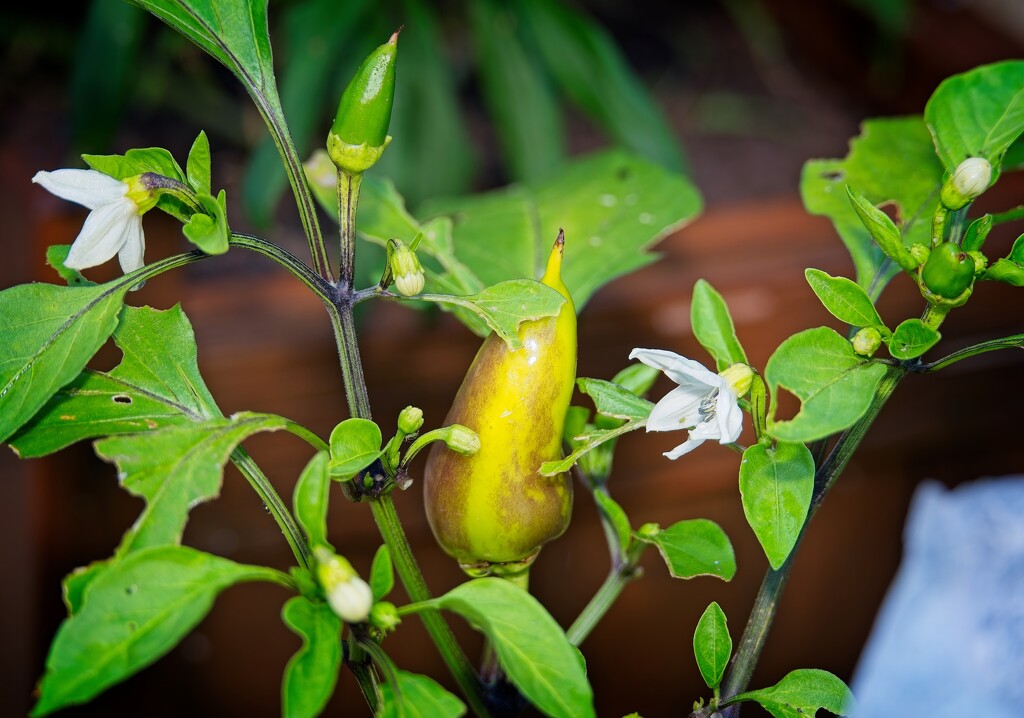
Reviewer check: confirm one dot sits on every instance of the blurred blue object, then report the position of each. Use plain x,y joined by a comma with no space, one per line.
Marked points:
949,639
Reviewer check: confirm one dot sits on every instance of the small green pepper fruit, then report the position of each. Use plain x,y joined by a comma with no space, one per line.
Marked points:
949,271
359,134
492,510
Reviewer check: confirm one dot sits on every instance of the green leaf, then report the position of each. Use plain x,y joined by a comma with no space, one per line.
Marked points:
892,161
845,300
526,115
613,400
776,486
882,229
382,573
312,673
49,333
310,499
133,613
418,697
156,385
355,444
801,694
588,442
616,516
835,385
56,255
506,305
976,233
713,327
176,468
978,113
637,378
209,229
712,645
136,162
531,647
695,547
1003,270
197,167
912,338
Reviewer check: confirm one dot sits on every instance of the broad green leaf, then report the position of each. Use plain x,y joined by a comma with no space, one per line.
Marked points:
776,487
382,573
588,442
137,162
526,115
174,469
845,300
355,444
834,385
588,67
133,614
312,673
712,645
156,385
613,400
892,162
506,305
695,547
882,229
310,499
612,206
49,333
801,694
978,113
912,338
713,327
418,697
531,647
197,167
616,516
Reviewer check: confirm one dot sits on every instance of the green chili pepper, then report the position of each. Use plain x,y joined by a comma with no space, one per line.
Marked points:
949,271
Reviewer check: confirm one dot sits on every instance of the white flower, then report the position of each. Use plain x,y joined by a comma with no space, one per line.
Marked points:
349,596
114,226
704,402
972,176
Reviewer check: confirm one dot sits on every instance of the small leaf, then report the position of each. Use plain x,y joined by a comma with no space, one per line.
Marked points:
197,167
382,573
418,697
531,647
845,300
507,305
776,487
912,338
133,613
136,162
713,327
615,401
355,444
1003,270
695,547
712,645
637,378
588,442
310,499
976,233
882,229
209,229
312,673
616,516
834,384
801,694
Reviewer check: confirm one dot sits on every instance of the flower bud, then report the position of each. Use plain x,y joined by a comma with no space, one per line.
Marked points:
384,616
462,440
739,376
348,595
969,180
919,252
410,420
405,268
866,341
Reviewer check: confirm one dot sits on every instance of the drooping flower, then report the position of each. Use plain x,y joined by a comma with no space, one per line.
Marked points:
704,403
114,226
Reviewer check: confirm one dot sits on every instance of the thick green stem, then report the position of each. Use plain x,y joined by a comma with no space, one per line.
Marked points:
765,604
259,482
348,204
351,362
412,578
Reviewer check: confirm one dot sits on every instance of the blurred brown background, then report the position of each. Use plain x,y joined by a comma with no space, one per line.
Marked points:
753,90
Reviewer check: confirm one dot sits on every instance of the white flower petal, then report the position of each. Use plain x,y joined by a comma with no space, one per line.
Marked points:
102,236
679,369
130,256
677,410
685,448
728,416
88,188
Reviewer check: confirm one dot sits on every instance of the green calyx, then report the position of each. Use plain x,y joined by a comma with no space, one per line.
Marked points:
949,271
360,130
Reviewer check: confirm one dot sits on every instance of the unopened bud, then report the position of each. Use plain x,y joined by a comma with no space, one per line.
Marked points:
866,341
384,616
739,376
969,180
406,269
462,440
349,596
410,420
919,252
